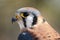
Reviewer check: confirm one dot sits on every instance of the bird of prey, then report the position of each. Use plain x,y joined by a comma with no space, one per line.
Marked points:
28,17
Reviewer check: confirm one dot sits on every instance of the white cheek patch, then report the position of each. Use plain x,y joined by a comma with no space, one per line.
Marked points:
29,21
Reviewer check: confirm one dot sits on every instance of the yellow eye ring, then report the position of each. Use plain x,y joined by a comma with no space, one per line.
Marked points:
22,15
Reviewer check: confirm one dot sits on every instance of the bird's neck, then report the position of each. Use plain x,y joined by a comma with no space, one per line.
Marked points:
46,31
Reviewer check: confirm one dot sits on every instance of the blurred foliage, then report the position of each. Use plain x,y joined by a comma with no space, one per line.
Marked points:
50,9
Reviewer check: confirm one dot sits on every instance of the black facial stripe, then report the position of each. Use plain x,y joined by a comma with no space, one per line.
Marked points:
25,14
24,21
34,20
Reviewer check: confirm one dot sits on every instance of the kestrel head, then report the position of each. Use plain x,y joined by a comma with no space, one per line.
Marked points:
26,17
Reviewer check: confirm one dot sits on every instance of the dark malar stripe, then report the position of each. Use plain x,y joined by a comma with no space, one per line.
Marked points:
24,21
25,14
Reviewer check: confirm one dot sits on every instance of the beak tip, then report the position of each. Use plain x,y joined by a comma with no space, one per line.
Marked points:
13,20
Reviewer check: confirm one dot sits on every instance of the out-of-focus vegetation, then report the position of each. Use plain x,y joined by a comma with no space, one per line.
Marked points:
50,9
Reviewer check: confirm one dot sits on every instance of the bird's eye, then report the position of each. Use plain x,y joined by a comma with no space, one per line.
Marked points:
24,15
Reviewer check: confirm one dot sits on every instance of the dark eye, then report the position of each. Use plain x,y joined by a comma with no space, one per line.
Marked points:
24,14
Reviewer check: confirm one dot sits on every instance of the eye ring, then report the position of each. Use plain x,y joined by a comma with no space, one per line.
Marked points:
24,14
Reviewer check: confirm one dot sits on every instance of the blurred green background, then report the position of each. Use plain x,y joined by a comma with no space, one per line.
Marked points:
50,9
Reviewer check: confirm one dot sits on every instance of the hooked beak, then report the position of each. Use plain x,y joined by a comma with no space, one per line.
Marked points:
14,20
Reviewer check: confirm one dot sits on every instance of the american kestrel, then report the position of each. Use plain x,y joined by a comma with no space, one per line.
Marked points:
29,17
